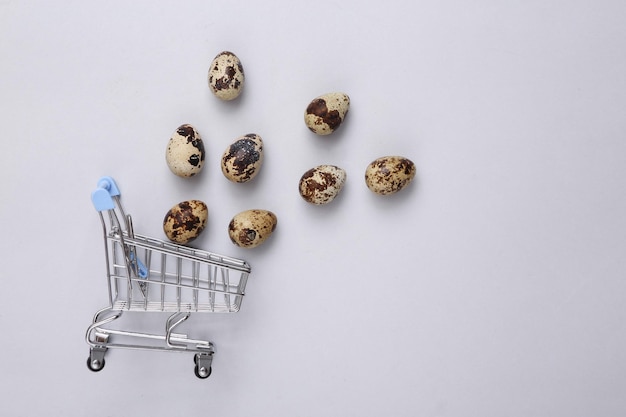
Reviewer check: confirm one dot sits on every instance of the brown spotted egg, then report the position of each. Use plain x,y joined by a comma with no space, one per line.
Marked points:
185,221
326,113
389,174
250,228
320,185
242,159
185,151
226,77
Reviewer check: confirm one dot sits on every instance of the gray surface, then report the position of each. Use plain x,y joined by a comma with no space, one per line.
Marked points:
494,285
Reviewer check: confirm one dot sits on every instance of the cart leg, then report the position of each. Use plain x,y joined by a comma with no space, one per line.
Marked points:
203,364
173,321
95,361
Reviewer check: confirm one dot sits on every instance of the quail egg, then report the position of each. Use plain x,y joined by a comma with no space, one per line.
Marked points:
251,228
185,152
242,159
389,174
185,221
320,185
326,113
226,76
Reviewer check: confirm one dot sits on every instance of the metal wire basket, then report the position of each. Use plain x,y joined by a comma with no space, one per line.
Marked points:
147,275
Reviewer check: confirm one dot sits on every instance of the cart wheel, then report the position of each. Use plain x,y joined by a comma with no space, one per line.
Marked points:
95,365
202,372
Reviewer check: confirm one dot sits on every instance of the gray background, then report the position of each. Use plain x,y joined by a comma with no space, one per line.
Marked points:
493,286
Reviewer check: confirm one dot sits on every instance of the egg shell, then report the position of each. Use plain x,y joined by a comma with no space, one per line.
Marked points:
185,221
326,113
389,174
243,158
251,228
226,76
320,185
185,152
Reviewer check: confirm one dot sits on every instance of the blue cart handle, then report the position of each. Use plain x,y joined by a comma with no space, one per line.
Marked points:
102,197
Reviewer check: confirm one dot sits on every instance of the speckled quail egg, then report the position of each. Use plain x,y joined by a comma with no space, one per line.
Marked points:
226,76
242,159
185,151
250,228
320,185
185,221
326,113
389,174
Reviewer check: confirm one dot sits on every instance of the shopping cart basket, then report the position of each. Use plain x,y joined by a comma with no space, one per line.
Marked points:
147,275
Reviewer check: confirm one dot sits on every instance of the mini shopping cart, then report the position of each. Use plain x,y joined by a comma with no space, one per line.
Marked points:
147,275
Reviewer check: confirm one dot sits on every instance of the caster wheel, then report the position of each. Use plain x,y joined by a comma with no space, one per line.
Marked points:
203,367
95,365
202,372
